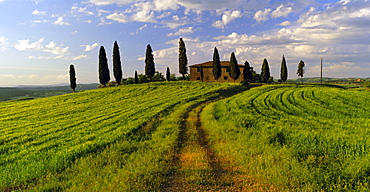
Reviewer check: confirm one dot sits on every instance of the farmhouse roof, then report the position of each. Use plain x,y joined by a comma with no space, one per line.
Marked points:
210,64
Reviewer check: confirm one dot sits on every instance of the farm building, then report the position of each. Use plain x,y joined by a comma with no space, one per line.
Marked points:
204,72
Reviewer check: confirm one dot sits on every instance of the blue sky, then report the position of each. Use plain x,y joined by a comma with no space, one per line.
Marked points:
39,39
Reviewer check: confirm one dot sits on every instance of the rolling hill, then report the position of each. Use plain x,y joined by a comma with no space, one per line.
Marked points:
170,136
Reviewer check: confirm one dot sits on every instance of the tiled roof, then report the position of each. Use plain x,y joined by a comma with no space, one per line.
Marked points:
210,64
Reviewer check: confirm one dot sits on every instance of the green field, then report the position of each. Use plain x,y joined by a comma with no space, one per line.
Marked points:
34,92
281,137
305,138
45,136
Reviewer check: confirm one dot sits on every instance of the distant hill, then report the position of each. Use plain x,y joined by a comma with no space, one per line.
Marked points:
30,92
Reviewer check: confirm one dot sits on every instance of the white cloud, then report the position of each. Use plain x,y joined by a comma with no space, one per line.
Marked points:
25,45
267,13
142,12
40,21
262,15
143,27
54,49
3,44
163,15
183,31
108,2
3,39
60,21
76,9
37,1
285,23
175,22
140,29
36,12
6,76
103,22
121,18
161,5
226,18
51,47
213,4
281,11
90,47
79,57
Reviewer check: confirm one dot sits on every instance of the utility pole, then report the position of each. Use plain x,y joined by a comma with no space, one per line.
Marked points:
321,70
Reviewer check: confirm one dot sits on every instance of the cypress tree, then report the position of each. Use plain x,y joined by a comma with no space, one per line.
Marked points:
117,67
136,79
104,76
183,60
168,74
247,73
72,77
149,62
234,67
216,64
301,69
265,71
283,70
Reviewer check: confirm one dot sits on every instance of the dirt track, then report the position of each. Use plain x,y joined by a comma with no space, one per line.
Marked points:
198,168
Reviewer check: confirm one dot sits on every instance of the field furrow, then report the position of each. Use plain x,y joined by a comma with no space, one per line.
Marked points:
45,135
305,138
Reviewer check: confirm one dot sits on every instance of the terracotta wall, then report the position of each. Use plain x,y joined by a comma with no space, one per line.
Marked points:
195,75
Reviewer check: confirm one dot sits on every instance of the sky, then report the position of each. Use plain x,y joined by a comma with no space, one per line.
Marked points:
39,39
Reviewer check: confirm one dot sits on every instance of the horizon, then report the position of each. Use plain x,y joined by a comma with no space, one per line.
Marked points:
40,39
68,84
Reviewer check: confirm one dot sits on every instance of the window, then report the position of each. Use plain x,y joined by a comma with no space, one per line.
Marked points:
198,78
199,69
227,69
225,78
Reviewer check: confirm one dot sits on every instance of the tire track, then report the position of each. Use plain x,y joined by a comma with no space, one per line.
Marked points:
197,165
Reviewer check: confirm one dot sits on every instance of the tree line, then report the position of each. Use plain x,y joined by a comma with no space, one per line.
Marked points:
150,73
250,76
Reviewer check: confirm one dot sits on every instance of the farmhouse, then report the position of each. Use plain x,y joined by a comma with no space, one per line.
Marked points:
204,72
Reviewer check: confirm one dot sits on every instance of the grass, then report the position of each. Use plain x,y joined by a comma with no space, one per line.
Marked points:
24,92
273,137
45,139
296,137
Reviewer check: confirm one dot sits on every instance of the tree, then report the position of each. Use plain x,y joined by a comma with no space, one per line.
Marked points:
149,62
216,64
136,81
234,67
183,60
117,67
301,69
247,73
265,71
283,70
256,78
168,74
72,77
104,76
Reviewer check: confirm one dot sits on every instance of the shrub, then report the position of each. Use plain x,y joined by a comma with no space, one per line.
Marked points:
185,78
244,83
367,84
112,84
